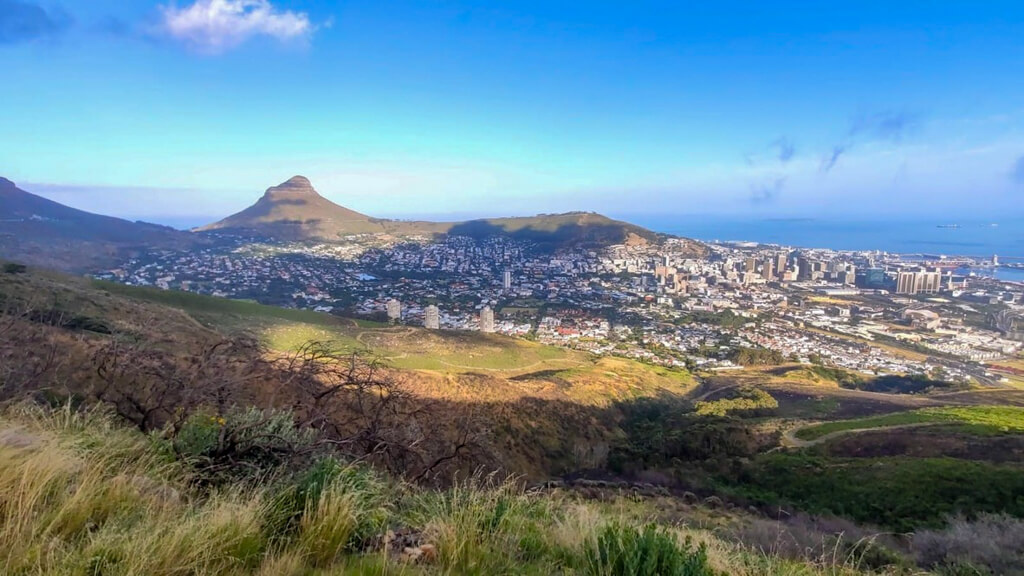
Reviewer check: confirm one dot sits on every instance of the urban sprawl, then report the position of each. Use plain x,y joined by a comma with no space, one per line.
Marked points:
870,312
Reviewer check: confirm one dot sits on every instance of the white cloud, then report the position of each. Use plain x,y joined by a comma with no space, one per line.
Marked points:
214,26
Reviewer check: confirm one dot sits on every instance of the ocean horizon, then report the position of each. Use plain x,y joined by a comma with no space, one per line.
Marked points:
950,237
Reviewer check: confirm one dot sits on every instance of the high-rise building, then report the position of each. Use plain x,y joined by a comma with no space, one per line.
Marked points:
507,280
906,282
850,276
766,270
780,264
875,278
431,318
487,319
750,265
919,282
394,310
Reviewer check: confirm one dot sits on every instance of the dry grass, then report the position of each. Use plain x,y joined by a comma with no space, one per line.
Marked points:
81,495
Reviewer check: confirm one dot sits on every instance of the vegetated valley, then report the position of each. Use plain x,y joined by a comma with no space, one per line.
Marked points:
161,432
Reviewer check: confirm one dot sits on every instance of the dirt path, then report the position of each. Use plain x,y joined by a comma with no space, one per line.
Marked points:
525,369
790,439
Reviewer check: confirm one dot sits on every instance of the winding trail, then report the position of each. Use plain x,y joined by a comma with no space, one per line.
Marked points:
790,439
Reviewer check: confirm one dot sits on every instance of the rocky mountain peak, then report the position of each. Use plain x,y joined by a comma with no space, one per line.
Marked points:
296,186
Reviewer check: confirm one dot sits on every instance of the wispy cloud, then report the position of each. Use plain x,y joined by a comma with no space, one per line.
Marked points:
25,21
829,162
215,26
785,149
887,125
883,126
767,192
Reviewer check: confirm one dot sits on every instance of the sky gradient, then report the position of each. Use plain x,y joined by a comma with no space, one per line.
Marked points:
189,110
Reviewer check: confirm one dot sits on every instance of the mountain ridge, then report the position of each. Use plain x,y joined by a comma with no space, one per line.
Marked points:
294,210
43,232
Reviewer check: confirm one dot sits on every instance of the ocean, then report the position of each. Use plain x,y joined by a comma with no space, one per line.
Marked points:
979,239
982,239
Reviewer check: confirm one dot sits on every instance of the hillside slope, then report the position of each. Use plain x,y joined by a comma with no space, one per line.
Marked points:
85,495
220,412
537,410
39,231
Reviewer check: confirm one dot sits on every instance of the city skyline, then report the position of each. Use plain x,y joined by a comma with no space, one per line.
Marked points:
181,110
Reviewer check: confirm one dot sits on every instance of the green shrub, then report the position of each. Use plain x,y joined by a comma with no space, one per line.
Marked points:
903,384
12,268
904,494
746,399
756,357
628,551
89,324
243,443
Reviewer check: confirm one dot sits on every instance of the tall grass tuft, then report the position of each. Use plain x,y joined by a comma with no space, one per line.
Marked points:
484,526
627,551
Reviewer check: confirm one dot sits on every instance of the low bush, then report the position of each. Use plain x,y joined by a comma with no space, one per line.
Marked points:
903,384
748,400
823,540
991,544
756,357
243,443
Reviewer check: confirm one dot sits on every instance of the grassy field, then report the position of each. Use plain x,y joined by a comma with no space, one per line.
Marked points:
1012,370
981,420
200,305
410,348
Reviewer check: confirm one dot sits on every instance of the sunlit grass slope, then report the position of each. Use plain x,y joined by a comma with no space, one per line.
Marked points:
80,494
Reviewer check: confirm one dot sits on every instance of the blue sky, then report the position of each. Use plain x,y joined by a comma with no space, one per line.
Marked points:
189,110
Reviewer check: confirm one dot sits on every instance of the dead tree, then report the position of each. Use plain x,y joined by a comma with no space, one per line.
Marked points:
30,352
153,387
367,411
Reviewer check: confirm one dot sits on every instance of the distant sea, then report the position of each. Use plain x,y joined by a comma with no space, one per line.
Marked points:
968,238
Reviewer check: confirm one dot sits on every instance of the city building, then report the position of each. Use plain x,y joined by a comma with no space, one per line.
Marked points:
780,264
922,319
431,318
507,280
487,319
919,281
394,308
874,278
